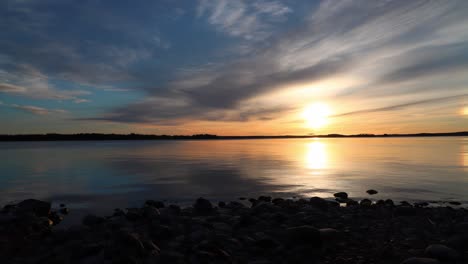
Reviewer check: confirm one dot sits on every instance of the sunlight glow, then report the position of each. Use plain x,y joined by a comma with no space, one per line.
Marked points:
316,155
316,115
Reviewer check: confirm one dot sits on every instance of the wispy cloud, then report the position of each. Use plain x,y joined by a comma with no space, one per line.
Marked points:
459,98
249,19
35,109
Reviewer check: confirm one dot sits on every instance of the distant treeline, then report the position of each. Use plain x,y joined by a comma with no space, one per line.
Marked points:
96,136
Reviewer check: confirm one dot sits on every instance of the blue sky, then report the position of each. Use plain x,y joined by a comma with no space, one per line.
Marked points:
233,67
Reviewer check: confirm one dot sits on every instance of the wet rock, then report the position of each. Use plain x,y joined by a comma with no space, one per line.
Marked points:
389,202
454,203
39,208
372,192
55,218
266,199
405,203
64,211
351,202
420,261
329,236
441,252
304,235
157,204
133,214
365,202
341,195
277,201
151,212
221,204
203,206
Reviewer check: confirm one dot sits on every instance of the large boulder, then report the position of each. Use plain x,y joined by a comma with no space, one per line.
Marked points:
39,208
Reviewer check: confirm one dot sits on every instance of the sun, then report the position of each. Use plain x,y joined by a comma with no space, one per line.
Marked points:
316,115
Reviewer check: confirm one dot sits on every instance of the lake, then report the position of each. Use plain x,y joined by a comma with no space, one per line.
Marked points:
98,176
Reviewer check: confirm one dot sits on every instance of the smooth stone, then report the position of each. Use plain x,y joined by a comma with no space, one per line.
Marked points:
366,202
39,208
157,204
372,192
441,252
304,235
389,202
329,235
203,206
264,198
318,203
420,261
151,212
341,195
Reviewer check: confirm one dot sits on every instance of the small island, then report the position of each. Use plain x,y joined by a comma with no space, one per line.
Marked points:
133,136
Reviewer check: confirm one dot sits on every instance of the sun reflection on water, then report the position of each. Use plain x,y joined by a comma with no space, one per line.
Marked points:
316,155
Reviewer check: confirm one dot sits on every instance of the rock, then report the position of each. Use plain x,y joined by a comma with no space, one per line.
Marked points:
277,201
372,192
351,202
329,235
91,220
221,204
405,203
266,199
389,202
318,203
129,242
62,205
203,206
366,202
304,235
242,198
441,252
454,203
420,261
151,212
157,204
39,208
405,210
64,211
341,195
133,214
56,219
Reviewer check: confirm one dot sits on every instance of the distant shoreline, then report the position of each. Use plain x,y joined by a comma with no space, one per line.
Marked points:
99,137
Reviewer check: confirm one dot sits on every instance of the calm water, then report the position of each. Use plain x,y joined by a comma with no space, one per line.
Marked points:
108,174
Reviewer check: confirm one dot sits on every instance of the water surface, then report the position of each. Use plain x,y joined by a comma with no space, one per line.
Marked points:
102,175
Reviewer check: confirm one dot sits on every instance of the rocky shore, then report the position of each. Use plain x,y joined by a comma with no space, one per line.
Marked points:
261,230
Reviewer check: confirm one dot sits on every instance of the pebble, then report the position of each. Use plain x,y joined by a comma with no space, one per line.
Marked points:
341,195
441,252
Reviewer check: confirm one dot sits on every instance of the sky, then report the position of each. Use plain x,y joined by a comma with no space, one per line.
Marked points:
227,67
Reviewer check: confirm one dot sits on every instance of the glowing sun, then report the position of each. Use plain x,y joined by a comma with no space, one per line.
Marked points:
316,115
